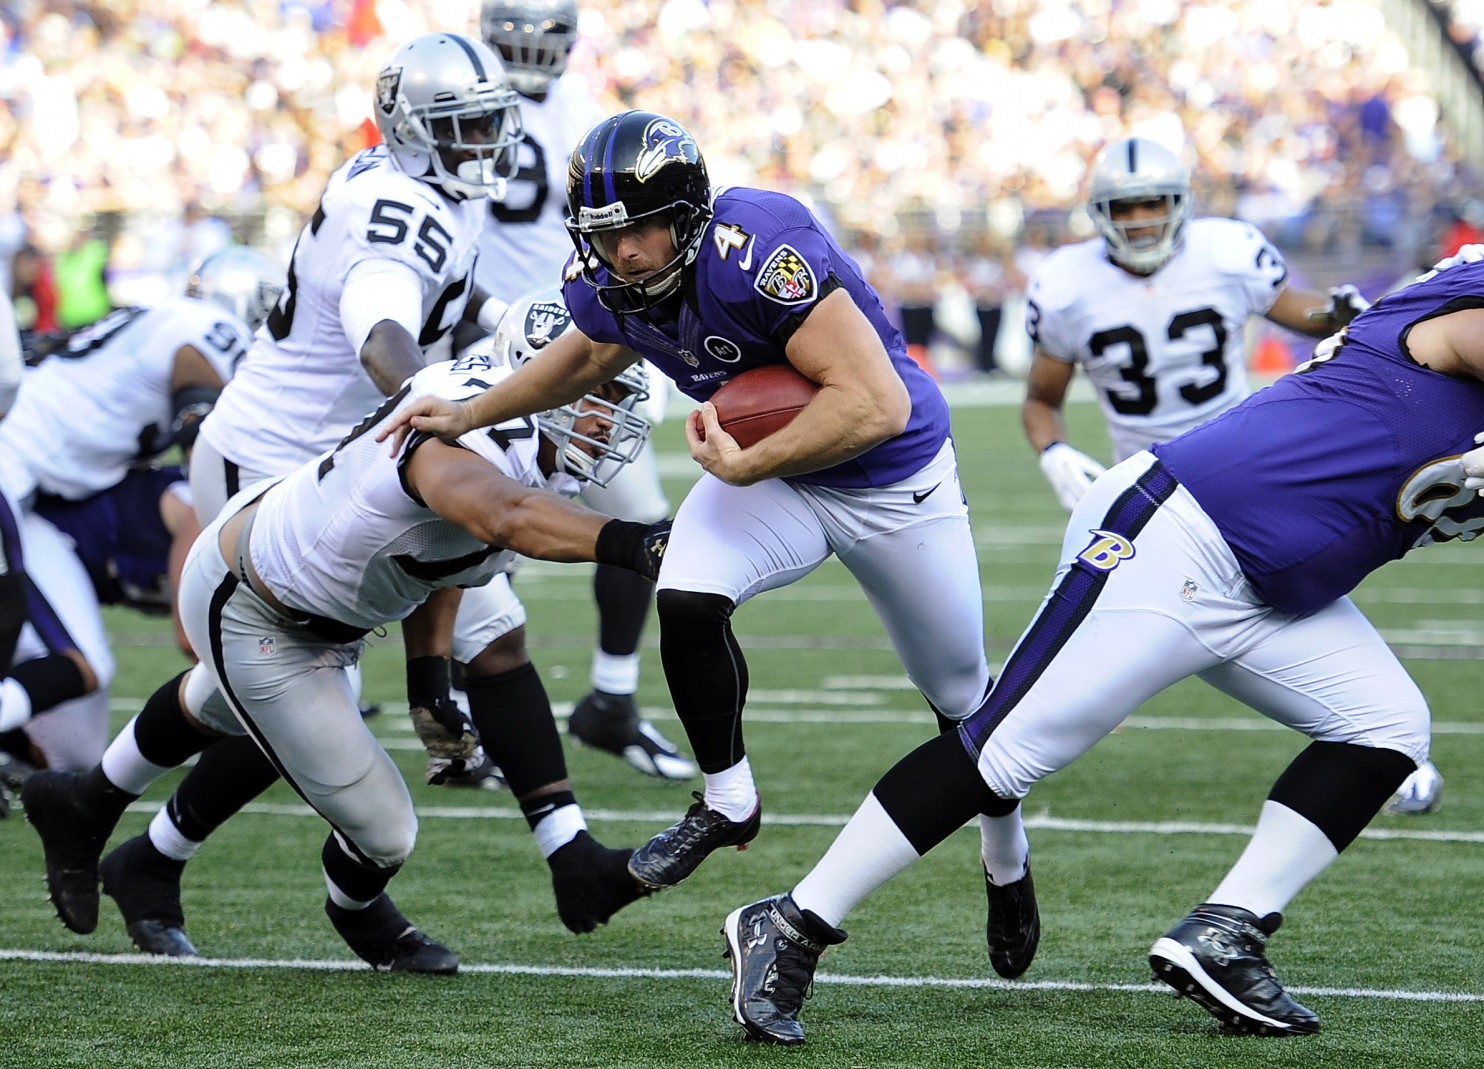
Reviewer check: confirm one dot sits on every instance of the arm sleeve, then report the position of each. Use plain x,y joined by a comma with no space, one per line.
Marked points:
378,289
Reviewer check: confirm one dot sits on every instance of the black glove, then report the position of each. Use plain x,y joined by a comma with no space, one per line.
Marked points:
446,732
640,547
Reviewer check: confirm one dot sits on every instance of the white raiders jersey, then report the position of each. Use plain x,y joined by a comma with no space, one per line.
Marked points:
302,386
526,244
1165,352
88,413
342,537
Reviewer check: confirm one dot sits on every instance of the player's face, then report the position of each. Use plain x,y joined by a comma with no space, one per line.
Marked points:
634,253
1156,211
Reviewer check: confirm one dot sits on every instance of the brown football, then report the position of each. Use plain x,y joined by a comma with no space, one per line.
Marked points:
759,402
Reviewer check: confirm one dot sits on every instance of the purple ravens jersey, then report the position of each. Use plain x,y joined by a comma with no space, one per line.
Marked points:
765,262
121,538
1347,463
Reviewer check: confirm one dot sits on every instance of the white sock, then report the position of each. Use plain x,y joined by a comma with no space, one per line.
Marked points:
615,673
125,766
732,792
869,850
1003,847
15,704
340,898
1285,853
558,828
167,838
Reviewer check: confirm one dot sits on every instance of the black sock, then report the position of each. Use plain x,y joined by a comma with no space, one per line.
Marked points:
935,790
706,672
358,880
513,715
49,681
623,607
538,809
162,731
1339,786
230,773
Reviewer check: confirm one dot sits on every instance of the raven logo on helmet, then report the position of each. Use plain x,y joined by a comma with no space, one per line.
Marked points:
665,140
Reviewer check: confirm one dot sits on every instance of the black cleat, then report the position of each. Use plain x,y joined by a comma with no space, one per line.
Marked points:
72,840
1216,956
611,722
773,948
1013,925
675,853
592,883
380,935
145,885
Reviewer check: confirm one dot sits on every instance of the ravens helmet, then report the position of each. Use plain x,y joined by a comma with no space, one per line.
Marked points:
1137,169
241,280
447,112
628,168
533,322
533,38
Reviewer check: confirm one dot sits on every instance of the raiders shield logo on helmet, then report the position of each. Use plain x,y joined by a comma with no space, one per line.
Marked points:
786,278
388,85
545,322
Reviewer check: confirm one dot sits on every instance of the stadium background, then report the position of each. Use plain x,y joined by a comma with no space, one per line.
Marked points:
946,140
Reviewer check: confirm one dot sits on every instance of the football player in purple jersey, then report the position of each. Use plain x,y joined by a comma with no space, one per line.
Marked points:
1227,553
707,284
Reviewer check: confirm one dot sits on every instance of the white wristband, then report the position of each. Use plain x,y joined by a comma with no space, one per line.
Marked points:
490,313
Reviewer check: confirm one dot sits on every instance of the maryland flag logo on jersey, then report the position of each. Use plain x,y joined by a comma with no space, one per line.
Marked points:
787,278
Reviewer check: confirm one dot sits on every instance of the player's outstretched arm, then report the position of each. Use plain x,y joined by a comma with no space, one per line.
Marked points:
468,490
1317,315
570,367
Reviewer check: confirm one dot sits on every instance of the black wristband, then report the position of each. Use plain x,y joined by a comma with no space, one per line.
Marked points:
620,543
427,681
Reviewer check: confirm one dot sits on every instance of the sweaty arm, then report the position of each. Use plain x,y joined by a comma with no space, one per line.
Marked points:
861,402
469,491
566,369
1046,386
179,517
381,312
1317,315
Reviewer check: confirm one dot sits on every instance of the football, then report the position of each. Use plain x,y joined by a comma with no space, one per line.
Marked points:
759,402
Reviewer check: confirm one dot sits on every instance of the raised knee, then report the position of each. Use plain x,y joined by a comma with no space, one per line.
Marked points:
692,608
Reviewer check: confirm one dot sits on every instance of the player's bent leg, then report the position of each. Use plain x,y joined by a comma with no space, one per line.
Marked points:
509,706
74,813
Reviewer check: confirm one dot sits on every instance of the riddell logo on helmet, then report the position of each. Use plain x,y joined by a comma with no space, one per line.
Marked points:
607,217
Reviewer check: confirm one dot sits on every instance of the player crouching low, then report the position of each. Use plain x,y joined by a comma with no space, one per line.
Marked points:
276,597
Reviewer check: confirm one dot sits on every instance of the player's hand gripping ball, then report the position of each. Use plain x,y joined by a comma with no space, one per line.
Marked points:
761,402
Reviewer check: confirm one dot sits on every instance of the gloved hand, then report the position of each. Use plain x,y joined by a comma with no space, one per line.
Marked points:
1069,472
449,737
445,730
1473,464
1345,303
640,547
1467,254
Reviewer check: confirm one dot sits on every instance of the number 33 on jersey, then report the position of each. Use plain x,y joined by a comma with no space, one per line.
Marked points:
1164,352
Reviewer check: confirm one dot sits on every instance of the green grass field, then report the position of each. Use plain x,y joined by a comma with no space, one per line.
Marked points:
1386,946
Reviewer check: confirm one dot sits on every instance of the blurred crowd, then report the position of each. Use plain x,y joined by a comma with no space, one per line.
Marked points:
941,137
